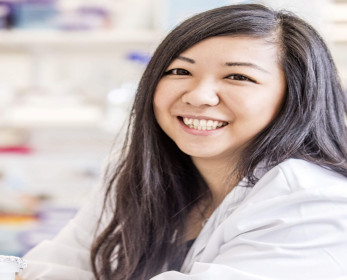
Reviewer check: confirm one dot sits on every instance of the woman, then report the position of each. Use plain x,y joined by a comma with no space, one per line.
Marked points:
234,165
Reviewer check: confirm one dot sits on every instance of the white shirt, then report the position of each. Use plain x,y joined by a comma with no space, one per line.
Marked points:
291,225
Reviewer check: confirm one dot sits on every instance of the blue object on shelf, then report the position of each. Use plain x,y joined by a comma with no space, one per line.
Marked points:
140,57
35,14
179,10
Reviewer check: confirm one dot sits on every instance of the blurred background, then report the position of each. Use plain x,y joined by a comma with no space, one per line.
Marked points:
68,73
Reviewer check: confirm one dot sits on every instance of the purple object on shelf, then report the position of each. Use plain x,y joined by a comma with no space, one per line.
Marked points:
84,18
6,14
50,221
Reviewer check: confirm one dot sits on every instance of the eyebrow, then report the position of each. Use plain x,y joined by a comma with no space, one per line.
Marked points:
247,64
192,61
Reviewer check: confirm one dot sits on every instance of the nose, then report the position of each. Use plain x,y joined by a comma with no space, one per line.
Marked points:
202,93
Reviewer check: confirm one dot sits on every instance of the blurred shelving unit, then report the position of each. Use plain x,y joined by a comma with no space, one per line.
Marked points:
64,98
66,125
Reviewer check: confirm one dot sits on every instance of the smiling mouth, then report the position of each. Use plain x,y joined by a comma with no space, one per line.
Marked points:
202,124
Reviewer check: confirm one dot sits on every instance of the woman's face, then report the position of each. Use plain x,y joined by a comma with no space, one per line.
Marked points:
219,94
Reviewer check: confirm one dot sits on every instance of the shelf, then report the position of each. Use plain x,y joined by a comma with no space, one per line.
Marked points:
52,116
23,38
336,12
336,33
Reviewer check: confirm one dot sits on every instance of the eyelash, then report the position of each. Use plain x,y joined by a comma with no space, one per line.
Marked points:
171,72
241,78
183,72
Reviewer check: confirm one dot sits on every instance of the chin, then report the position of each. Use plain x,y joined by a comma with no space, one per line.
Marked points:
199,153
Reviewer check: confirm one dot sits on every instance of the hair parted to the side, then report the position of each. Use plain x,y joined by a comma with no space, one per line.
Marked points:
154,184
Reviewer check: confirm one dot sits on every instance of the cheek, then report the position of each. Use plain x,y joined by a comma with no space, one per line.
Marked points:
161,105
156,106
159,96
257,108
158,102
165,96
266,110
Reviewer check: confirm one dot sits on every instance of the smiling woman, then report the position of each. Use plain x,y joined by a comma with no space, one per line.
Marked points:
238,85
234,164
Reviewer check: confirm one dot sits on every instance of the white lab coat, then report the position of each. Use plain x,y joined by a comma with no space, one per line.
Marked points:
291,225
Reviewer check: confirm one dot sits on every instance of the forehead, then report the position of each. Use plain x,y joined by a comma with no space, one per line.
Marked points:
243,47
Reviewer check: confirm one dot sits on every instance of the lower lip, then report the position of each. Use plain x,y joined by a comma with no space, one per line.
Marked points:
193,131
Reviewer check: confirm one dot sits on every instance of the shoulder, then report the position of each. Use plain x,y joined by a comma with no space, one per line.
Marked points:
295,194
301,174
296,176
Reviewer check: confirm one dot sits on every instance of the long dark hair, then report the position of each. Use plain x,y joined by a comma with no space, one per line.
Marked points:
153,185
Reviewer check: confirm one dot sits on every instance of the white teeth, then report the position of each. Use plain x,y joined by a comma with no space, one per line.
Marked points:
188,121
203,124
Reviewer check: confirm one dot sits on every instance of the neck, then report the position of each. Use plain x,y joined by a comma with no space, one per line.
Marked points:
217,175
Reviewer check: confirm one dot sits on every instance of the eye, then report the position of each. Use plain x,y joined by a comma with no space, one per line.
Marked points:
177,71
240,77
